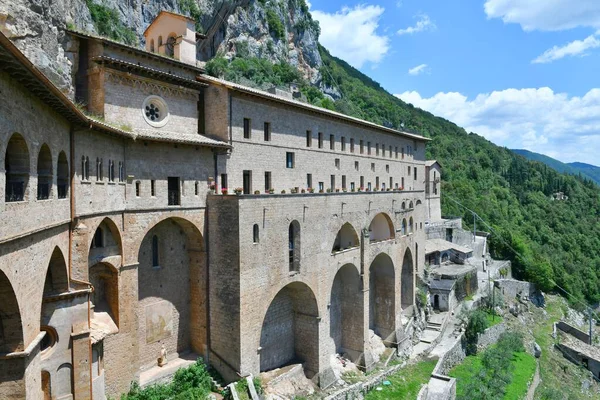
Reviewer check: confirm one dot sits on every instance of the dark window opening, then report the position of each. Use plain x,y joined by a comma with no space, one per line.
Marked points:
267,131
246,128
294,246
308,138
174,191
247,181
255,233
98,239
268,185
289,160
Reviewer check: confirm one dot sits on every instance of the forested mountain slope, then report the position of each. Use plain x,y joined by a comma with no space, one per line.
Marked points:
586,171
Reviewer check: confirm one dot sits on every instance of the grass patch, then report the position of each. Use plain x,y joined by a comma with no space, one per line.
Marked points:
524,369
406,383
493,319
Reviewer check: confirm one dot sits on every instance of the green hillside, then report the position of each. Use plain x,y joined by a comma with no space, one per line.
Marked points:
586,171
559,241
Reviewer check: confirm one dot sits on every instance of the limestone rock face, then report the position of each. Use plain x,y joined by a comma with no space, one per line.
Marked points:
37,27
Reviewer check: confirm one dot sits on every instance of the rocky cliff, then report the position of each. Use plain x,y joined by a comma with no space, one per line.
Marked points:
278,30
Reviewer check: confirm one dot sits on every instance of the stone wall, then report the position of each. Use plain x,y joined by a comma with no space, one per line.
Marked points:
571,330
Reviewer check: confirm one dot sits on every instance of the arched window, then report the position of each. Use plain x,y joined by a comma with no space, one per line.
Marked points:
85,168
160,43
152,45
98,169
403,205
294,246
418,202
170,46
155,255
98,240
410,205
404,226
111,171
255,232
346,238
381,228
16,165
62,172
121,172
410,225
44,173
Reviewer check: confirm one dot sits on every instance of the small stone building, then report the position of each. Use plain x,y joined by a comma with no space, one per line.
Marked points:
441,292
121,241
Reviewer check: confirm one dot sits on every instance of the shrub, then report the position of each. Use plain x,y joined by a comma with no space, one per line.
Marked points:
217,66
108,24
275,25
477,324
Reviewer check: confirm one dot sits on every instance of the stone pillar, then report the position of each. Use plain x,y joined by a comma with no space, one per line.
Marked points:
82,364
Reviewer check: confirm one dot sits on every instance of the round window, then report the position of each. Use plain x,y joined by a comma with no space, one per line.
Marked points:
155,111
49,340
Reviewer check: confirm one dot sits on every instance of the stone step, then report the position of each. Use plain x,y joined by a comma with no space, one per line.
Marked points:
434,328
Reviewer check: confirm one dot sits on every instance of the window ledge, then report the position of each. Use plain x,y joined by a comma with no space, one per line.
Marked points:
112,183
86,182
334,253
100,182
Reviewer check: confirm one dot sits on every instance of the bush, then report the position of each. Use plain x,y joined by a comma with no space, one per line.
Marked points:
477,324
217,66
275,25
108,24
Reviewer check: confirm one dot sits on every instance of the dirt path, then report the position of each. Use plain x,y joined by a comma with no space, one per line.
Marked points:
534,384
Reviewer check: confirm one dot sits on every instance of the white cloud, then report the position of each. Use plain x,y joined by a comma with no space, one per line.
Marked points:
574,48
546,15
423,24
540,120
419,69
351,34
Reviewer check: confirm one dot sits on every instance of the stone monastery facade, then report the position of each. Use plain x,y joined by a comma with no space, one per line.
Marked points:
117,246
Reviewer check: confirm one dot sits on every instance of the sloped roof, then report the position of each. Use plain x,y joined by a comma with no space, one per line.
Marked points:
442,284
306,106
430,163
435,245
164,13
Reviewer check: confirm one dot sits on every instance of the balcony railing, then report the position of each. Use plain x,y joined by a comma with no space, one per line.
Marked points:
43,191
174,199
63,190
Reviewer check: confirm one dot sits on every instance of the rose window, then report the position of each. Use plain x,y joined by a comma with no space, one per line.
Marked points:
155,111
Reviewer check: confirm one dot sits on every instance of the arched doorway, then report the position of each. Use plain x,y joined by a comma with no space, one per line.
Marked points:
290,330
346,312
44,173
407,284
46,388
16,165
381,228
11,328
382,308
171,291
62,175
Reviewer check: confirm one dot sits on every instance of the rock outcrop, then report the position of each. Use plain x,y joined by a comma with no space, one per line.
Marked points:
277,30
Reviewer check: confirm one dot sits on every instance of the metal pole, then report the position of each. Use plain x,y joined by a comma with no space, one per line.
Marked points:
590,318
474,226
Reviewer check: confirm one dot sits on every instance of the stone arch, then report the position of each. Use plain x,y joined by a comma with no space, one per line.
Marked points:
418,202
64,378
407,281
171,303
382,297
346,238
381,228
17,169
57,276
46,385
105,243
62,175
346,312
290,330
44,173
11,326
294,243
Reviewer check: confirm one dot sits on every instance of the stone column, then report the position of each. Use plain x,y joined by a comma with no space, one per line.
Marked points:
82,364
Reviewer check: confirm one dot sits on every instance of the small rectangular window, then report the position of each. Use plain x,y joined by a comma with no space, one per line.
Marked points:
373,167
409,171
196,188
337,163
246,128
387,168
331,142
332,182
362,147
320,140
308,138
390,151
267,131
369,186
289,160
376,149
223,181
309,181
174,188
352,187
362,182
377,182
356,165
247,181
369,148
402,183
351,145
138,186
268,185
396,151
344,182
153,188
321,186
343,143
392,182
415,171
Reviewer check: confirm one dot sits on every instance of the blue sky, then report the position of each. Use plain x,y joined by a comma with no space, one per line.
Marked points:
523,73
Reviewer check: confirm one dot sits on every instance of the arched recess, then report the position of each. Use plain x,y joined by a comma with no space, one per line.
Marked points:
381,228
44,173
290,330
346,312
411,225
57,280
382,297
407,281
11,327
62,175
404,228
46,385
346,238
294,243
16,165
171,304
104,259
